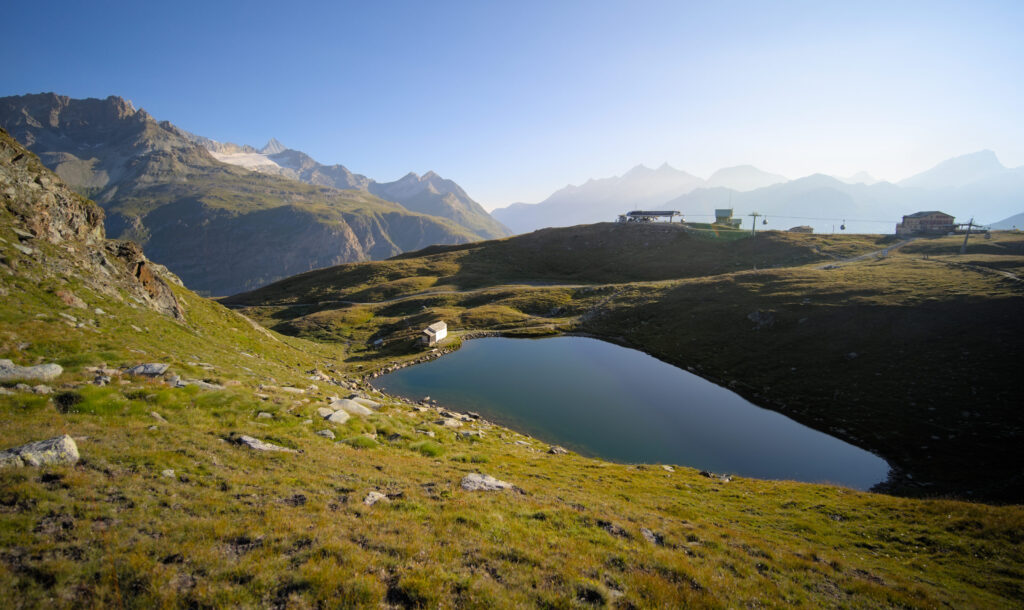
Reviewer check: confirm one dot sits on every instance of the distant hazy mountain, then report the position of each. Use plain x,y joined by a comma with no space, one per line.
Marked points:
1013,222
820,201
957,172
974,186
221,228
600,200
430,194
860,178
743,178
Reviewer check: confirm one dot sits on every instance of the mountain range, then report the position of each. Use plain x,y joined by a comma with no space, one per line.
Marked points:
974,186
223,228
428,194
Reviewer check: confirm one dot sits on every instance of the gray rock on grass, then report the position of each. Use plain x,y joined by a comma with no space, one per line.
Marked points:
149,369
258,445
350,406
373,497
484,482
338,417
60,450
42,372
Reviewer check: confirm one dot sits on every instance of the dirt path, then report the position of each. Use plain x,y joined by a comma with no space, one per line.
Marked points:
861,257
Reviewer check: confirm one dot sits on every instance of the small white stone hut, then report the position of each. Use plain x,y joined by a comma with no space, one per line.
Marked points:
433,334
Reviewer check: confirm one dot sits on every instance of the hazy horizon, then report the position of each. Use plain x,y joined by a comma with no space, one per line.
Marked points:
515,102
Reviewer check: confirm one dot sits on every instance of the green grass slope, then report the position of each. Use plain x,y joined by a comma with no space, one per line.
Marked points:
169,512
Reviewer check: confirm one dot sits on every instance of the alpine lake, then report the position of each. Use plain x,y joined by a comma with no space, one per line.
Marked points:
619,404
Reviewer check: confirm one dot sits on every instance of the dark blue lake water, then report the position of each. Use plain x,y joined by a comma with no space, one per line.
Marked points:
620,404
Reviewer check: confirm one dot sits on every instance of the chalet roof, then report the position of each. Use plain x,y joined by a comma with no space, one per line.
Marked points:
654,213
923,214
723,212
435,328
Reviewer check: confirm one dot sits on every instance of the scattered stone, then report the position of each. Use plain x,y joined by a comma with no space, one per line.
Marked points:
556,450
168,473
483,482
471,434
761,319
292,390
366,402
326,434
42,372
259,445
101,380
157,416
99,312
22,234
429,433
338,417
725,478
151,369
652,537
71,299
6,392
373,497
24,249
613,529
705,473
42,389
307,422
350,406
60,450
448,422
264,415
324,412
667,468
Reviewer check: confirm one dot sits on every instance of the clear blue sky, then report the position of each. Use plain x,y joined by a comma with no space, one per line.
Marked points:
516,99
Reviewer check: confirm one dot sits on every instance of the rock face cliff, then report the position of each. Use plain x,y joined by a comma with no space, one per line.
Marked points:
55,233
223,229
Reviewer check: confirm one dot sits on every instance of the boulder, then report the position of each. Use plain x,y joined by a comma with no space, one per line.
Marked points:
373,497
60,450
326,434
483,482
350,406
264,415
42,372
448,422
259,445
338,417
556,450
324,412
71,299
151,369
366,402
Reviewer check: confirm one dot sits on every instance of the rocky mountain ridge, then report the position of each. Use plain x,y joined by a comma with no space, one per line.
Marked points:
222,228
428,194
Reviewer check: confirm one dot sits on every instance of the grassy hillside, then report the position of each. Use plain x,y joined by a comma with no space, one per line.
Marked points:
232,527
911,356
166,508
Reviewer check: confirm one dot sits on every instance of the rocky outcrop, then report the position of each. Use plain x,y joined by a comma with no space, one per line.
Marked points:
43,372
258,445
484,482
41,209
60,450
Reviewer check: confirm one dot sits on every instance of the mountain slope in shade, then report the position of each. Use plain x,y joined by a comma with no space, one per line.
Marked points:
221,228
430,194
